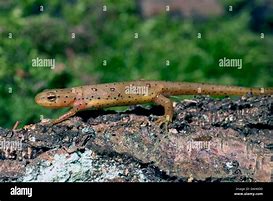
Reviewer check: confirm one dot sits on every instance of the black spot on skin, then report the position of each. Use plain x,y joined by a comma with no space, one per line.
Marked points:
66,96
92,96
58,96
85,103
98,97
94,89
75,98
64,101
148,85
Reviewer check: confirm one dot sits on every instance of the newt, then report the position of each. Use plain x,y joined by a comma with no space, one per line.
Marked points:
133,92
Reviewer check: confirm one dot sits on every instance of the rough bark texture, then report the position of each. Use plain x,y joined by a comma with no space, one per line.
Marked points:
208,140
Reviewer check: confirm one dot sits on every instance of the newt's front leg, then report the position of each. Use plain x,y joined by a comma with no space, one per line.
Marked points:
70,113
78,106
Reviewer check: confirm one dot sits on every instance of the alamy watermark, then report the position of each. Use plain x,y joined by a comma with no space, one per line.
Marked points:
233,63
39,62
137,90
10,145
21,191
198,145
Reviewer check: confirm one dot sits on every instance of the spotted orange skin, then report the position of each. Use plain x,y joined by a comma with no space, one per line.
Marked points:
133,92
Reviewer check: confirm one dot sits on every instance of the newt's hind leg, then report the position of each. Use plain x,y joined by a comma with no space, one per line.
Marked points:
168,109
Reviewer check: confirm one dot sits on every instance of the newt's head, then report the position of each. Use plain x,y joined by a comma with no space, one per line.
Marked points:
55,98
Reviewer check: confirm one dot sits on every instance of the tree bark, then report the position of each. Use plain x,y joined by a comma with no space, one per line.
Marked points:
208,140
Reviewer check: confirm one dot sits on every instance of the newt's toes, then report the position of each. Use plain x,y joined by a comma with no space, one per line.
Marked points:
46,122
163,120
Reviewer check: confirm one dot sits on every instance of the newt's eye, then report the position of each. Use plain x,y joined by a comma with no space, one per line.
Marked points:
51,97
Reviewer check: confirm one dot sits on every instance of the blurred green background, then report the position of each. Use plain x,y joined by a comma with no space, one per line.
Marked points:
110,36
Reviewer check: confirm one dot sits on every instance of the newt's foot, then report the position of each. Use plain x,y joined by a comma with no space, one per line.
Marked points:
163,120
47,122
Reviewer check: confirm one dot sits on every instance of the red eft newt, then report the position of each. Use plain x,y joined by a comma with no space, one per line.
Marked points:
133,92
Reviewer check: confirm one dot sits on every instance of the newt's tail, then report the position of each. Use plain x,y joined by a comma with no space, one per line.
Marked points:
187,88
